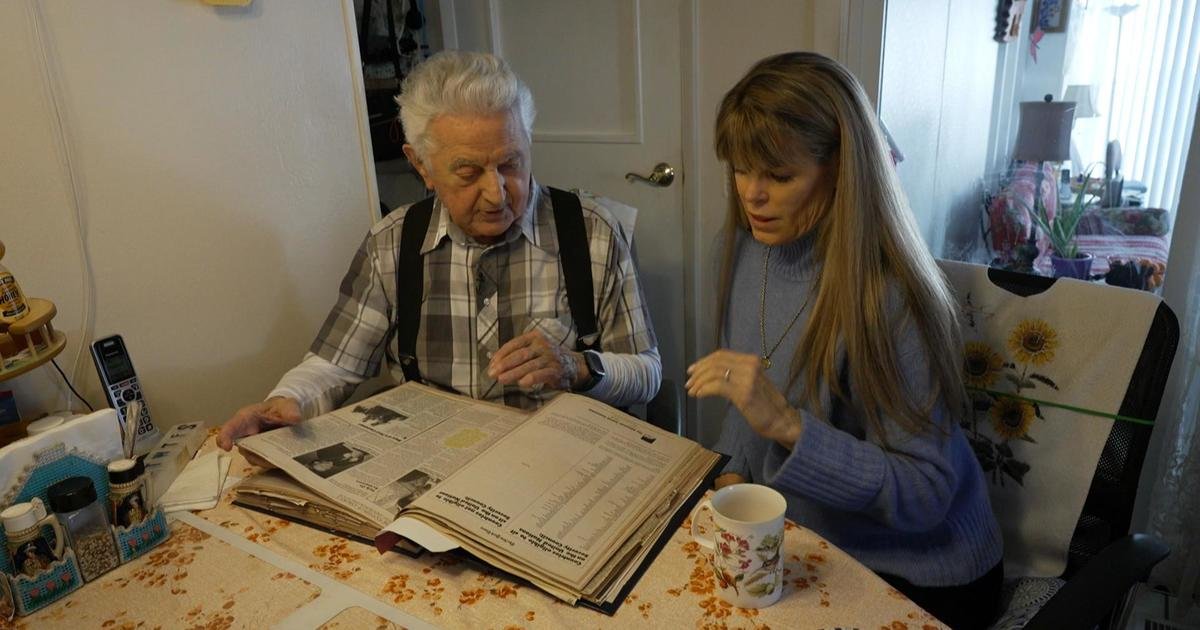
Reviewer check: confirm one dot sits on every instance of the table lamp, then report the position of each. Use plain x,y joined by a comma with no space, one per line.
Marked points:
1084,97
1045,131
1044,135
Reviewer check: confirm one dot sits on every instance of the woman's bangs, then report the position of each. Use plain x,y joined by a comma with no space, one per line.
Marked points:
752,140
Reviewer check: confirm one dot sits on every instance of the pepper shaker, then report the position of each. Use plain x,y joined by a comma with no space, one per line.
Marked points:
83,517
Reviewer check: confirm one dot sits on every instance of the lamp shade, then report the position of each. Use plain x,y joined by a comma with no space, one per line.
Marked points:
1045,132
1084,98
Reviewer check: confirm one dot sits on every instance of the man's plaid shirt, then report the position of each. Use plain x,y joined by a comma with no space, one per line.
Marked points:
477,297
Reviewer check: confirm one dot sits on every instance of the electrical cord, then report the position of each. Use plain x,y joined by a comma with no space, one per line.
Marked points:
61,132
68,382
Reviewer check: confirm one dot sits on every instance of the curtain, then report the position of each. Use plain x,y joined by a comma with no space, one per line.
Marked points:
1144,59
1172,469
1175,499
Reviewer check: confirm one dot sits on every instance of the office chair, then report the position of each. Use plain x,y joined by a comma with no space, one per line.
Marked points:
1079,584
665,410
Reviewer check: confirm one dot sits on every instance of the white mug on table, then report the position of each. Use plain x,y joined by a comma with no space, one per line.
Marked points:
746,542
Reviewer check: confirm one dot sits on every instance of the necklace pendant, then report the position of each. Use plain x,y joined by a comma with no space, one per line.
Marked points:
766,362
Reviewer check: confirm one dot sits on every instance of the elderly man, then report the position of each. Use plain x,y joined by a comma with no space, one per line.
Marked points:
477,289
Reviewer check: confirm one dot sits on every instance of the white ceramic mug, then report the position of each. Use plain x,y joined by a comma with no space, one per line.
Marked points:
28,548
746,541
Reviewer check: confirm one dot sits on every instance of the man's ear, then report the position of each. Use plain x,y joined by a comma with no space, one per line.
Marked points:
422,169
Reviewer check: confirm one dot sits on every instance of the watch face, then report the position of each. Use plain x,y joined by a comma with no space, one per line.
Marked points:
594,365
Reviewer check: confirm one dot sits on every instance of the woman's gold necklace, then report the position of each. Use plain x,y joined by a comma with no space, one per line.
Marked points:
765,356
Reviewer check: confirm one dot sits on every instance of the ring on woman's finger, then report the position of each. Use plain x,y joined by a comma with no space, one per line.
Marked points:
727,371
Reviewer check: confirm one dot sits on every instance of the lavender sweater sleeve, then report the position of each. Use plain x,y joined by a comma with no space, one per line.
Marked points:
908,487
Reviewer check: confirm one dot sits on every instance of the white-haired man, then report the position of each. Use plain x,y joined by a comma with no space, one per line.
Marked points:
477,289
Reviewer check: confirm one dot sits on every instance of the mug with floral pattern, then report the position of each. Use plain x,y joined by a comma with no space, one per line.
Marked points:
745,538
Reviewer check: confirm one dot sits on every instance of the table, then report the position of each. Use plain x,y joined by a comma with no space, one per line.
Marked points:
232,567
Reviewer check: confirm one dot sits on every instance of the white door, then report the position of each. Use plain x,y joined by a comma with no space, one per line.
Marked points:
606,78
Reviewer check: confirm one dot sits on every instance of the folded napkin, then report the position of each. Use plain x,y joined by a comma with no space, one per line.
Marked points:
198,487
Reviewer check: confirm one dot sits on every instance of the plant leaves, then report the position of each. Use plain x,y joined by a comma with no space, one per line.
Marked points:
1061,229
1016,469
1043,379
759,590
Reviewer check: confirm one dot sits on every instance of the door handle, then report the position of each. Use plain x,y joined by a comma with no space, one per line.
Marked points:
662,176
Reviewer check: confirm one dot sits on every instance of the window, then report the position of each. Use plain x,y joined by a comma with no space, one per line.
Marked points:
1138,61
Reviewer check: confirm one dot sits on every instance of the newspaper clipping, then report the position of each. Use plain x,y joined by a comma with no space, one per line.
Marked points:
379,455
578,478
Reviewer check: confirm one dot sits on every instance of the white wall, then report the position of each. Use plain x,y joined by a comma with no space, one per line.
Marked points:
728,39
223,186
936,98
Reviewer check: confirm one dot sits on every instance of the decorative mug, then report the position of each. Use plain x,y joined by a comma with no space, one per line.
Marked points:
746,542
8,604
29,549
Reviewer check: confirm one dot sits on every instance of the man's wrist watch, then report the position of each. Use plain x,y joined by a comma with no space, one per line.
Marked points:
595,368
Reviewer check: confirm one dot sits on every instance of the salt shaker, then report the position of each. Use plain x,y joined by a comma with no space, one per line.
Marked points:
83,517
126,492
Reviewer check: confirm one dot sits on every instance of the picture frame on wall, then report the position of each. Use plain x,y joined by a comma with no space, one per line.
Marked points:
1008,20
1051,15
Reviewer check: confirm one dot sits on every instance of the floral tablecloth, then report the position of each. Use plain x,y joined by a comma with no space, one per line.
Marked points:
232,567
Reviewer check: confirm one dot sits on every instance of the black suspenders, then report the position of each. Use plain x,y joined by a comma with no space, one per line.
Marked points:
574,258
576,261
410,286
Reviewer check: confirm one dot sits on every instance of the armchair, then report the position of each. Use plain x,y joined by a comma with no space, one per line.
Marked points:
1066,379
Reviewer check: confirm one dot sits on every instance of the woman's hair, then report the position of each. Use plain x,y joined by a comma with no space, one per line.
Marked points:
866,237
458,82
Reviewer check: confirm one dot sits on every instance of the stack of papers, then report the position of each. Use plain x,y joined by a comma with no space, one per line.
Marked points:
199,486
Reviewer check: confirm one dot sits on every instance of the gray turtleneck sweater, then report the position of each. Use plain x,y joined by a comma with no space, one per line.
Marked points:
918,508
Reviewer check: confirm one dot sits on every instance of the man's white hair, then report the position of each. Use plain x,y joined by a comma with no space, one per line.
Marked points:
460,83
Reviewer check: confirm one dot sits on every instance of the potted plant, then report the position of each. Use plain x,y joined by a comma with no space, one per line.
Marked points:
1066,259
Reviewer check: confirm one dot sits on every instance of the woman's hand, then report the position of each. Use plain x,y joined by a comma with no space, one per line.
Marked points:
740,379
728,479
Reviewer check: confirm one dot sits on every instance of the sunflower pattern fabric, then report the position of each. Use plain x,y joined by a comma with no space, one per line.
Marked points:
1042,372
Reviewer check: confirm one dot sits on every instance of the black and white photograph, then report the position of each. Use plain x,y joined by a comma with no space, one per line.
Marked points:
407,488
378,415
333,459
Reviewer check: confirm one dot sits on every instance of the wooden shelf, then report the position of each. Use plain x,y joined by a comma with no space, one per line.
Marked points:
33,329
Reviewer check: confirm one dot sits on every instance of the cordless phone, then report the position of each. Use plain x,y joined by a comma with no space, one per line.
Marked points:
121,384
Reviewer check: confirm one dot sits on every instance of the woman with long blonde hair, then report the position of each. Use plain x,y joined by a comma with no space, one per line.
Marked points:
841,353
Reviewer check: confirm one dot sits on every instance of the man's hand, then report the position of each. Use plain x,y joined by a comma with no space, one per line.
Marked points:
740,379
271,413
533,360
